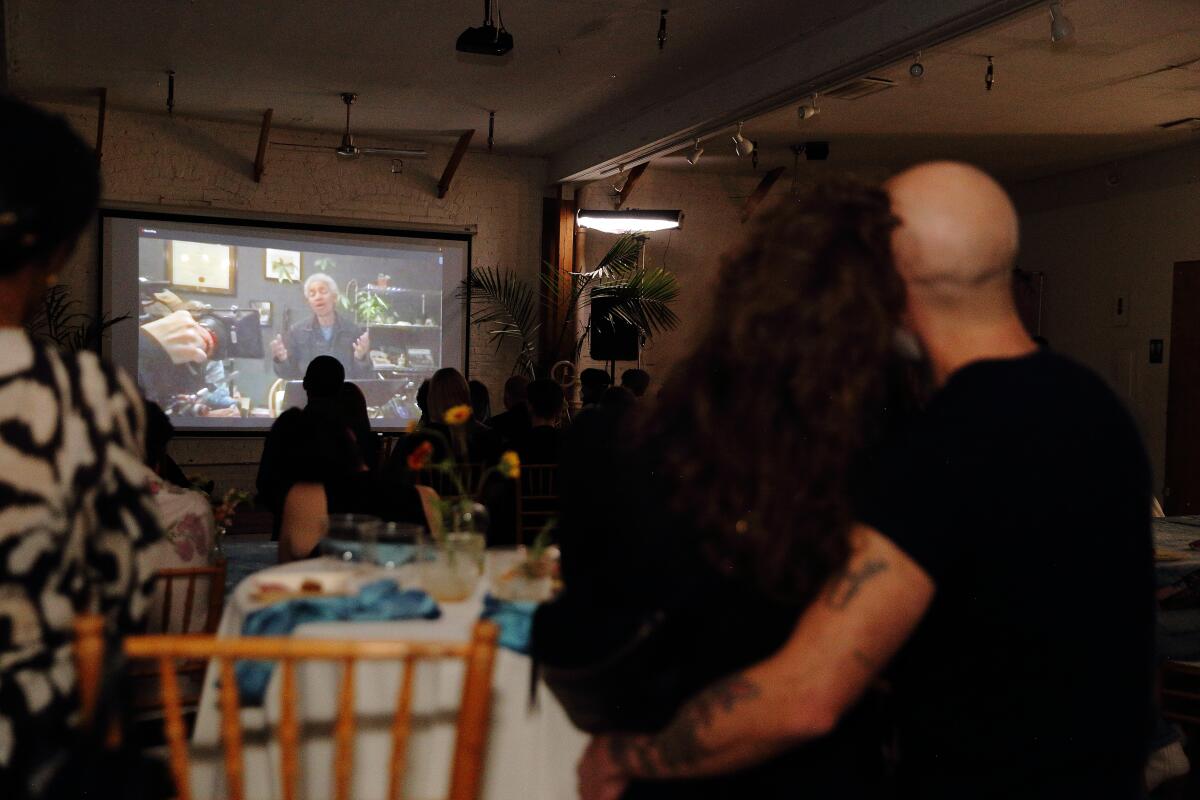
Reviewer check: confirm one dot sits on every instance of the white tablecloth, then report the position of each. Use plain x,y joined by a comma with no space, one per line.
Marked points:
531,755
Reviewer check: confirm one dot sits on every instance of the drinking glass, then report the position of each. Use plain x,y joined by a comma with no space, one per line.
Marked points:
452,566
351,537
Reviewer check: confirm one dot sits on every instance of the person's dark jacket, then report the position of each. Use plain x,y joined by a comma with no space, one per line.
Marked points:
512,425
540,445
305,341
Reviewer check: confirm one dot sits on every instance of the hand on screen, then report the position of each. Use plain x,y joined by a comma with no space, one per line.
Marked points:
180,336
362,346
278,348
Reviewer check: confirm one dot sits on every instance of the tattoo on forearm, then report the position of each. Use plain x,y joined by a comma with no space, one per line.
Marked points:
678,746
843,589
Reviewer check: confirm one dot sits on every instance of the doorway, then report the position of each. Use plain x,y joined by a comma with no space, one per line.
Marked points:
1182,492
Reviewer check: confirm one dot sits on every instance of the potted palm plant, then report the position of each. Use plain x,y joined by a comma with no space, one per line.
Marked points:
506,306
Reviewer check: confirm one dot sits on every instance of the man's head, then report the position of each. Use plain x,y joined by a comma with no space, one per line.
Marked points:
321,292
636,381
592,383
324,378
954,248
515,391
49,186
545,401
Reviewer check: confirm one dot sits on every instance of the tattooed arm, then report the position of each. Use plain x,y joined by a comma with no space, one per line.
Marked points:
837,648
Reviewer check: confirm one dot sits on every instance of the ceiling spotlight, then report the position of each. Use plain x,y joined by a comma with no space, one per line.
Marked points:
916,69
634,221
694,156
809,109
1060,26
741,145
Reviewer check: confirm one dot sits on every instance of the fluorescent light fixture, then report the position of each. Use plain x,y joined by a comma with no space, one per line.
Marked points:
633,221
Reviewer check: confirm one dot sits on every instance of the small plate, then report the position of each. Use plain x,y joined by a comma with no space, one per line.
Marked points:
291,585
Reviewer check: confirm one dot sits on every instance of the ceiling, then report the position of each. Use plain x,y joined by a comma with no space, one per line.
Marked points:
577,64
1093,98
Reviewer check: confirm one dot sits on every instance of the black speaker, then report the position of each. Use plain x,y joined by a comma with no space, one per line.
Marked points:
613,339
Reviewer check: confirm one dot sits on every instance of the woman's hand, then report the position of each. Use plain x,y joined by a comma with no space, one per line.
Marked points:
600,776
362,346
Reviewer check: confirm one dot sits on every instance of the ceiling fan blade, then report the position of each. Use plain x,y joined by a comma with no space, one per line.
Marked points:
394,152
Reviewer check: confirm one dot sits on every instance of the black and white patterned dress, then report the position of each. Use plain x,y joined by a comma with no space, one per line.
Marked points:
76,519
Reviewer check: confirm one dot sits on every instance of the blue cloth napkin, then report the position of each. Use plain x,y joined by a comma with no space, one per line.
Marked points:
381,600
515,619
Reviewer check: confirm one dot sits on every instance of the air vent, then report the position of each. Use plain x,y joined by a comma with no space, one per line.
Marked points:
859,88
1175,123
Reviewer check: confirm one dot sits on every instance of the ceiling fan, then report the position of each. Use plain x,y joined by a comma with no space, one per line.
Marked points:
348,149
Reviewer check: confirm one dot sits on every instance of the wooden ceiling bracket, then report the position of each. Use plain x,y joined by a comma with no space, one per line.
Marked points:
456,158
264,135
635,175
760,193
103,114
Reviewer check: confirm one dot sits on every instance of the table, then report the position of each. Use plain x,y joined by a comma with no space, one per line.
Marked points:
531,754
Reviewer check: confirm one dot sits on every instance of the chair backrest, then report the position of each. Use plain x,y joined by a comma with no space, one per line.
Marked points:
470,740
537,499
468,475
179,584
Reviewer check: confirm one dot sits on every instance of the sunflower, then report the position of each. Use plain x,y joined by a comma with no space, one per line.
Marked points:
458,415
510,465
418,459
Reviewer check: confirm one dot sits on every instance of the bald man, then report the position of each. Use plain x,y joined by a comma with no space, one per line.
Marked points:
1001,573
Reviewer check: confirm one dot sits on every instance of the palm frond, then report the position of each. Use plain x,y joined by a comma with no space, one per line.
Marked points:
506,308
643,300
622,257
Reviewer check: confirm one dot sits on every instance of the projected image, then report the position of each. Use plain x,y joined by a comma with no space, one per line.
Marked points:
238,359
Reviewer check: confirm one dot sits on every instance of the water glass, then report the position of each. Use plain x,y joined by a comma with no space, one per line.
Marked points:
351,537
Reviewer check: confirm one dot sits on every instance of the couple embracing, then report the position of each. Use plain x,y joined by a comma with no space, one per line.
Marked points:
871,541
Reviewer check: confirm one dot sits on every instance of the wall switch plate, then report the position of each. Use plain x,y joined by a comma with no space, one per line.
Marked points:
1120,310
1156,351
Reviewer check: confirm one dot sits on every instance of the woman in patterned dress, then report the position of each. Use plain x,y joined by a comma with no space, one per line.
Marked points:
76,514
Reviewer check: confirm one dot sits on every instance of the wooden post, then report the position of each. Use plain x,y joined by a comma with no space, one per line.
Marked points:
760,193
89,662
456,158
100,123
558,262
635,175
260,158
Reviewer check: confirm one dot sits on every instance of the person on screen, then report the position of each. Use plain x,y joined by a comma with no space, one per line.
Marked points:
328,333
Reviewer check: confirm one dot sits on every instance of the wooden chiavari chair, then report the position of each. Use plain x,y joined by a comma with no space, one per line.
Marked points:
1179,695
537,500
472,728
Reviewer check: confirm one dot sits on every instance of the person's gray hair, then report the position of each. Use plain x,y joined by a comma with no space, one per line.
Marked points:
321,277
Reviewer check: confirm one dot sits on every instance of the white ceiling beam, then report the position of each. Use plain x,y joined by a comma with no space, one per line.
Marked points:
868,41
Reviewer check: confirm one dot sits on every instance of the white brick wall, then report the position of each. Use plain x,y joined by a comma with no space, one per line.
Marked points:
188,163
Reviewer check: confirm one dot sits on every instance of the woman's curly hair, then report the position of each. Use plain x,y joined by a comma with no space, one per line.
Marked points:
756,431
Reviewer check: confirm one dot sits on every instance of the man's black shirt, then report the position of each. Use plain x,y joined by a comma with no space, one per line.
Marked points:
1023,491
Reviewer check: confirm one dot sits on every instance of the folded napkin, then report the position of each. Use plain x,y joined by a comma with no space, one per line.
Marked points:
381,600
515,619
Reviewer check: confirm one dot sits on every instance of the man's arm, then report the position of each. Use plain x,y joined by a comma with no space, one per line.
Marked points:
839,645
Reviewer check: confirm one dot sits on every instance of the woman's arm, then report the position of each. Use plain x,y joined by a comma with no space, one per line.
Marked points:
303,524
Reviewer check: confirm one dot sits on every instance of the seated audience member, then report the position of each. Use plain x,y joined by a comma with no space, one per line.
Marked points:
323,382
592,383
187,521
481,401
423,402
617,401
352,408
541,444
159,432
1011,677
736,528
331,478
77,518
471,443
636,381
514,423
